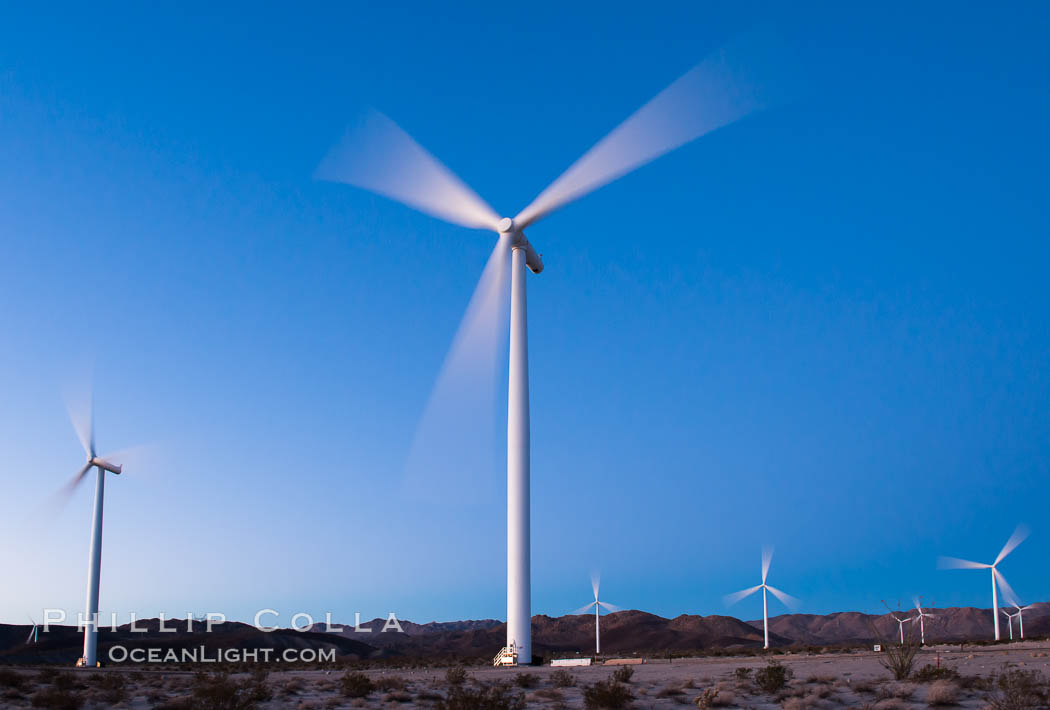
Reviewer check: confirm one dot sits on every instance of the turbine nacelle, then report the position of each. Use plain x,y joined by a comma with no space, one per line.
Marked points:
103,464
518,240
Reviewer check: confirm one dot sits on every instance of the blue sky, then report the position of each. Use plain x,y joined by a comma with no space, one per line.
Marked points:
824,327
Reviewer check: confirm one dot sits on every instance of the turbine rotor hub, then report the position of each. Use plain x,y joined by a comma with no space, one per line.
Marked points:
505,225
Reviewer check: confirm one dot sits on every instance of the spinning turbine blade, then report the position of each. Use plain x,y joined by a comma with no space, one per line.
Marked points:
731,599
785,599
714,93
67,490
583,609
1016,539
377,155
82,416
610,607
767,558
596,581
956,563
1008,592
455,447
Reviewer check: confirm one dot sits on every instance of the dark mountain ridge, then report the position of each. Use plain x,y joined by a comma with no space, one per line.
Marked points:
624,632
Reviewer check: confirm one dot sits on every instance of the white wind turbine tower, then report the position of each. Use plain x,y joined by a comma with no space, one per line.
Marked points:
598,606
382,158
997,577
921,617
84,425
786,599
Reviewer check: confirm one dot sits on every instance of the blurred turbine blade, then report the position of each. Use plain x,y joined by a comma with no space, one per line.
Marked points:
66,491
1016,539
1008,592
767,558
731,599
82,416
456,446
596,582
723,88
378,156
786,599
610,607
583,609
915,600
956,563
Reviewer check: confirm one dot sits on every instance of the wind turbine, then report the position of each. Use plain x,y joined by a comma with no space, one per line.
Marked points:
955,563
1010,621
1020,615
900,622
921,618
786,599
31,638
84,426
598,605
383,159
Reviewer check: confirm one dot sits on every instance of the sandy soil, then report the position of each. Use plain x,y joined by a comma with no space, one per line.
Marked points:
819,681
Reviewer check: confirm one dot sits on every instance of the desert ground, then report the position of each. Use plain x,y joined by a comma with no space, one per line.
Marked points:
1005,677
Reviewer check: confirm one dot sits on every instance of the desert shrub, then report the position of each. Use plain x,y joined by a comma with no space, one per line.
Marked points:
743,673
669,692
1019,690
608,694
773,677
526,680
64,681
942,692
398,696
901,691
390,683
899,658
11,679
706,699
112,686
456,675
217,691
623,674
356,685
890,704
976,682
561,678
492,697
548,694
796,704
929,673
723,698
56,699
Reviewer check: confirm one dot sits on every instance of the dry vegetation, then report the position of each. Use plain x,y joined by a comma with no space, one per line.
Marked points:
783,682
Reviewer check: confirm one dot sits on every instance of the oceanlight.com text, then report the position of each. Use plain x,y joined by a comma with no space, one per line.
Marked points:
120,654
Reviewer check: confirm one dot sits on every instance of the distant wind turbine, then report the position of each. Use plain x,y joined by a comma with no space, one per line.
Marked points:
921,618
31,638
786,599
598,605
1020,616
955,563
1010,621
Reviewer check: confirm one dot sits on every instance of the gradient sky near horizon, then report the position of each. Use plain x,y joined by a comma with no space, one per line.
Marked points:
825,327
